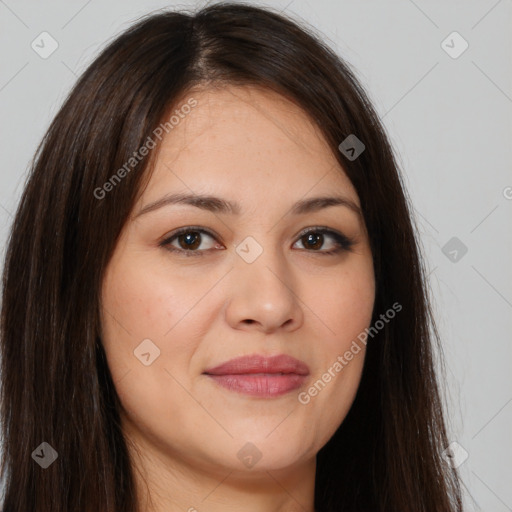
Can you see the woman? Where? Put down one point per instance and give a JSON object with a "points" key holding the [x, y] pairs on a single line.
{"points": [[213, 294]]}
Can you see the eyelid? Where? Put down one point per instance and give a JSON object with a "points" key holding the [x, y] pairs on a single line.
{"points": [[344, 242]]}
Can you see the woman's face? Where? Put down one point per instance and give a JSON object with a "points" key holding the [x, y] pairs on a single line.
{"points": [[267, 277]]}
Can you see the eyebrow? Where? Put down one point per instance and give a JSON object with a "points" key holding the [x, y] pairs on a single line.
{"points": [[218, 205]]}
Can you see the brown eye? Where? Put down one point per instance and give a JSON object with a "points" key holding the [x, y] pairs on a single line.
{"points": [[314, 239], [188, 240]]}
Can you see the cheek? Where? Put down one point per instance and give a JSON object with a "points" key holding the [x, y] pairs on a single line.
{"points": [[345, 308], [345, 304], [145, 312], [139, 303]]}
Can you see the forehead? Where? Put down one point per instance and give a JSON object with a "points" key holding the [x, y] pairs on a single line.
{"points": [[243, 139]]}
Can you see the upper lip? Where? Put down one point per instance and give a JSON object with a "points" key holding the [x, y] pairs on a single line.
{"points": [[281, 363]]}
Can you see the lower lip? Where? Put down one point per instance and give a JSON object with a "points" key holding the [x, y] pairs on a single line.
{"points": [[261, 385]]}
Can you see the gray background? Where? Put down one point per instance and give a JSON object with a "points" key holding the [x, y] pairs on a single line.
{"points": [[449, 120]]}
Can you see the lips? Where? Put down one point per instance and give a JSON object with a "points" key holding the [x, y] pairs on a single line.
{"points": [[281, 364], [260, 376]]}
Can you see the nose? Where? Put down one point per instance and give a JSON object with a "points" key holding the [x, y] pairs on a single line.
{"points": [[263, 295]]}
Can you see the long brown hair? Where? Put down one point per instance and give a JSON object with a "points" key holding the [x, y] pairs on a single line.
{"points": [[56, 384]]}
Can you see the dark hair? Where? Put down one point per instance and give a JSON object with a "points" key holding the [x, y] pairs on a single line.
{"points": [[56, 384]]}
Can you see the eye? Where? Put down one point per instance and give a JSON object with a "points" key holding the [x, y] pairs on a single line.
{"points": [[314, 239], [188, 240]]}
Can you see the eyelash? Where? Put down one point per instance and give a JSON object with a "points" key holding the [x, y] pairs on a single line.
{"points": [[344, 243]]}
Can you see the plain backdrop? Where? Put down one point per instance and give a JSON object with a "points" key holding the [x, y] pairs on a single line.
{"points": [[448, 115]]}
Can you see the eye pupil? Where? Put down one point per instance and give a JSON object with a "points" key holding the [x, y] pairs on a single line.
{"points": [[314, 241], [191, 239]]}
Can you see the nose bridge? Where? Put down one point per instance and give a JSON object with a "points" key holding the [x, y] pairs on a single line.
{"points": [[263, 287]]}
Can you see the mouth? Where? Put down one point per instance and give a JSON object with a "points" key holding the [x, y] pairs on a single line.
{"points": [[260, 376]]}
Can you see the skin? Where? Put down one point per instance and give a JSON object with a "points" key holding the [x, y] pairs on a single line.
{"points": [[184, 431]]}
